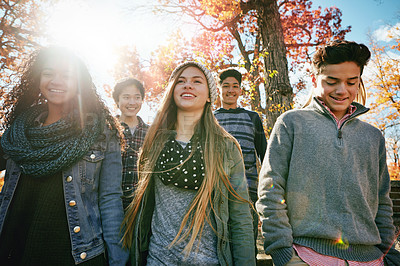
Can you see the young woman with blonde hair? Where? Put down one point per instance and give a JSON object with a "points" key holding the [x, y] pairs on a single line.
{"points": [[191, 205]]}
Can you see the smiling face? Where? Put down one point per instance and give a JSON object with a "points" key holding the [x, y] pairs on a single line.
{"points": [[337, 86], [230, 92], [191, 91], [58, 83], [130, 101]]}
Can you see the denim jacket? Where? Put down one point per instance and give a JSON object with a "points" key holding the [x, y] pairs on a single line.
{"points": [[235, 245], [92, 193]]}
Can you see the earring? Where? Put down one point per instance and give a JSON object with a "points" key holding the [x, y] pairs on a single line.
{"points": [[41, 98]]}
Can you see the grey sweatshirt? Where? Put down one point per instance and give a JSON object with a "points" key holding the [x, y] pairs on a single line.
{"points": [[325, 188]]}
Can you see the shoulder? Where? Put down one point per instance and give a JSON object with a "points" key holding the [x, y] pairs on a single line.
{"points": [[108, 131], [230, 111], [254, 116], [218, 110], [295, 115], [231, 148], [249, 112], [238, 112], [142, 123], [366, 128], [108, 135], [300, 121]]}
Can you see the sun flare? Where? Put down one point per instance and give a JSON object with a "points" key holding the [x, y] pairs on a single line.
{"points": [[91, 31], [96, 29]]}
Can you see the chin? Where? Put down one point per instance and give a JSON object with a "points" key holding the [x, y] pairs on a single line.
{"points": [[131, 115]]}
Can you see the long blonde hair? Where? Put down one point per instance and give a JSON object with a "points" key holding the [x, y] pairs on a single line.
{"points": [[213, 139]]}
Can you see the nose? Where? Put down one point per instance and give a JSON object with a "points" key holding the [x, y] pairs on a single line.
{"points": [[188, 85], [57, 79], [341, 88]]}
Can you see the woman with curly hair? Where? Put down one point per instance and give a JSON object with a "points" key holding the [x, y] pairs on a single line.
{"points": [[61, 199], [191, 206]]}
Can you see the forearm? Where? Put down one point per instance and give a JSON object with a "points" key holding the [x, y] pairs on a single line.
{"points": [[384, 215], [271, 204], [240, 219], [110, 203]]}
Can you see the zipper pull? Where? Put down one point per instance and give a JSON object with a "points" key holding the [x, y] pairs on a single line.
{"points": [[339, 134]]}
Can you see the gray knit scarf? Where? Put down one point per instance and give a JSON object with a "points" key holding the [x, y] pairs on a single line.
{"points": [[45, 150]]}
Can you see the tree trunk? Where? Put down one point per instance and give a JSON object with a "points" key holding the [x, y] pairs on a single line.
{"points": [[279, 93]]}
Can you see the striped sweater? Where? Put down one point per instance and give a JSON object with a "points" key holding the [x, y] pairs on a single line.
{"points": [[246, 127]]}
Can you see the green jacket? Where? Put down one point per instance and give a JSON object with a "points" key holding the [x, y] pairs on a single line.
{"points": [[236, 246]]}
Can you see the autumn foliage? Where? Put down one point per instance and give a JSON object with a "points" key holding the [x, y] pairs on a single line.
{"points": [[257, 36], [384, 88], [18, 29], [266, 39]]}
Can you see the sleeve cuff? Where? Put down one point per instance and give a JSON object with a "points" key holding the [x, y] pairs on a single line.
{"points": [[281, 256]]}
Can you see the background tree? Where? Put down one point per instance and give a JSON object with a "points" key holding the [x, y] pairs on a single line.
{"points": [[212, 49], [20, 26], [265, 32], [156, 72], [19, 29], [384, 87], [129, 63]]}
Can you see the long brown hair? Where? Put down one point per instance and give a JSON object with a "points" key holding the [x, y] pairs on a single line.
{"points": [[213, 139]]}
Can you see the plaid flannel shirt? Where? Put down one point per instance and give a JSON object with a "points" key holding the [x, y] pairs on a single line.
{"points": [[129, 158]]}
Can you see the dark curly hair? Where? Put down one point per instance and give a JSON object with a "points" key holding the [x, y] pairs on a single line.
{"points": [[122, 84], [340, 51], [337, 52], [230, 73], [26, 93]]}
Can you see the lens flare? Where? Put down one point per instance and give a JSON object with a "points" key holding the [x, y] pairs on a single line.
{"points": [[269, 183], [342, 243]]}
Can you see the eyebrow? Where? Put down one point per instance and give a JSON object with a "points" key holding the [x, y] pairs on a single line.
{"points": [[128, 94], [229, 83], [192, 77], [329, 77], [53, 69]]}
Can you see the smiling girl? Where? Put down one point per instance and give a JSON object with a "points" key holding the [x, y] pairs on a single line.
{"points": [[191, 206], [61, 199]]}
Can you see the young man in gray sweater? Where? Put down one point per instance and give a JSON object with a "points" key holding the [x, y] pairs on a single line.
{"points": [[324, 184]]}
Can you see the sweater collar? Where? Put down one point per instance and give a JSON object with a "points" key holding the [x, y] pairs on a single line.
{"points": [[231, 110], [319, 107]]}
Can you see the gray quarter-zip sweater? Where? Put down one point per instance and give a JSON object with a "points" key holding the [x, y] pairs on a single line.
{"points": [[325, 187]]}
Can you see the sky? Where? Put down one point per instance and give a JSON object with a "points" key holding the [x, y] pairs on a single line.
{"points": [[97, 27], [364, 15]]}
